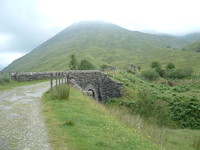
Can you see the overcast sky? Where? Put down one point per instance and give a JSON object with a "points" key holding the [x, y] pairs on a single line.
{"points": [[25, 24]]}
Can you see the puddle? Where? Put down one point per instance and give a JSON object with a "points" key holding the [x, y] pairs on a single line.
{"points": [[14, 115]]}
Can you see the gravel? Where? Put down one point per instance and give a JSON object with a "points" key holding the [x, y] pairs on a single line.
{"points": [[22, 125]]}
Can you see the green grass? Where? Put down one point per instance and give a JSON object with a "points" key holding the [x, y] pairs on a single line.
{"points": [[13, 84], [169, 138], [106, 44], [82, 123]]}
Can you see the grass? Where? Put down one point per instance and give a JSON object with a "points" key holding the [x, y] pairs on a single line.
{"points": [[109, 45], [169, 138], [82, 123], [13, 84]]}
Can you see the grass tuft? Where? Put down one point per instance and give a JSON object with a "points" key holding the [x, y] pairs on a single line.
{"points": [[61, 92]]}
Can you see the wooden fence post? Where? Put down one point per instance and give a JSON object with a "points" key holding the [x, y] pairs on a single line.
{"points": [[10, 78], [51, 82], [59, 78], [62, 77], [17, 78], [65, 78], [56, 79]]}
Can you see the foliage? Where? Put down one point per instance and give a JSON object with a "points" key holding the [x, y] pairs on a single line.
{"points": [[170, 66], [161, 103], [103, 67], [82, 123], [61, 92], [160, 71], [130, 70], [186, 112], [73, 63], [139, 68], [155, 64], [150, 75], [85, 65], [178, 73], [103, 44]]}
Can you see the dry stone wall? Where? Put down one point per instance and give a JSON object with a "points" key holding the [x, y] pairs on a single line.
{"points": [[102, 86]]}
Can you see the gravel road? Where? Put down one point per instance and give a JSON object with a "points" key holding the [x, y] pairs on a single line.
{"points": [[22, 125]]}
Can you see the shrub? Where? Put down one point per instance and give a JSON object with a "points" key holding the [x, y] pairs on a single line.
{"points": [[154, 110], [61, 92], [170, 66], [85, 65], [160, 71], [155, 64], [103, 67], [130, 71], [151, 75], [186, 113], [179, 73]]}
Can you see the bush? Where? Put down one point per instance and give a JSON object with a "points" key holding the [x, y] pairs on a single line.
{"points": [[85, 65], [154, 110], [170, 66], [155, 64], [186, 113], [160, 71], [103, 67], [150, 75], [61, 92], [179, 73]]}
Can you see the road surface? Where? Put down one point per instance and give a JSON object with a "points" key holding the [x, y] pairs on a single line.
{"points": [[22, 125]]}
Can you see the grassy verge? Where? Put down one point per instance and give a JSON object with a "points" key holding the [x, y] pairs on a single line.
{"points": [[82, 123], [13, 84], [170, 139]]}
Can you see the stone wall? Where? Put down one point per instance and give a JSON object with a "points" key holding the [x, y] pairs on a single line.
{"points": [[100, 84]]}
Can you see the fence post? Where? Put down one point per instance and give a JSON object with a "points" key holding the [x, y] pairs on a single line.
{"points": [[10, 78], [62, 77], [17, 78], [59, 78], [51, 82], [56, 79], [65, 78]]}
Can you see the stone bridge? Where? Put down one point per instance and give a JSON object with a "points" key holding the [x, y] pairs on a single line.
{"points": [[99, 85]]}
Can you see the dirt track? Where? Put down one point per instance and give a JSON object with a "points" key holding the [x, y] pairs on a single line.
{"points": [[21, 122]]}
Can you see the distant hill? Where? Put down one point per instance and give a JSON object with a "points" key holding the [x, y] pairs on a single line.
{"points": [[101, 43], [193, 37], [194, 47]]}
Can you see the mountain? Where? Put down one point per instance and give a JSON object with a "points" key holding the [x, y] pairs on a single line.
{"points": [[192, 37], [194, 47], [101, 43]]}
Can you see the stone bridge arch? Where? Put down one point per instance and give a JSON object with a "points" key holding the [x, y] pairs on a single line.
{"points": [[90, 88]]}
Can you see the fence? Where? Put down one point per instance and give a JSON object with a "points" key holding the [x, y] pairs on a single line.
{"points": [[60, 78]]}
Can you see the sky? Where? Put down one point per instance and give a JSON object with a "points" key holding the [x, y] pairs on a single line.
{"points": [[25, 24]]}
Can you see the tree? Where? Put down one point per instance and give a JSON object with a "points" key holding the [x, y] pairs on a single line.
{"points": [[155, 64], [85, 65], [150, 75], [103, 67], [73, 63], [170, 66]]}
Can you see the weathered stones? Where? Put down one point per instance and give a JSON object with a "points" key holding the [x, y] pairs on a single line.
{"points": [[99, 85]]}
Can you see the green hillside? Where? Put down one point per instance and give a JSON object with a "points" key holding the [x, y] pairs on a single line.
{"points": [[192, 37], [194, 47], [102, 43], [81, 123]]}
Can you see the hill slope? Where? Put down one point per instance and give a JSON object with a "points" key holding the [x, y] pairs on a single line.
{"points": [[193, 47], [100, 43], [193, 37]]}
